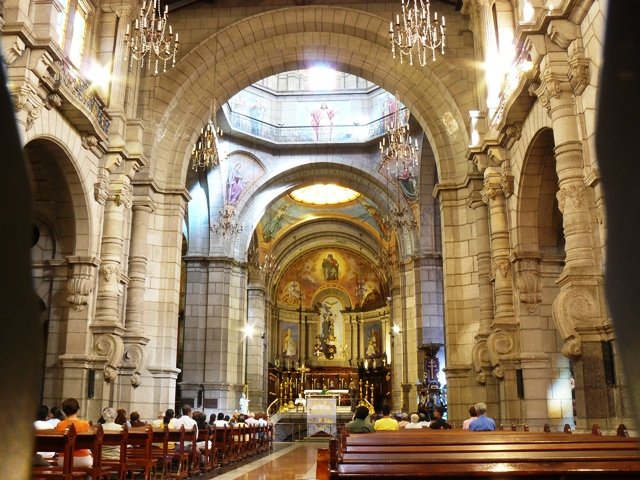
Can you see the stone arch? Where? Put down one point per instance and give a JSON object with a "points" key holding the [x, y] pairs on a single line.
{"points": [[291, 42], [267, 192], [539, 218], [52, 164]]}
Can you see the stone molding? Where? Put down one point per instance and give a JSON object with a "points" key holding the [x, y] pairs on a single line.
{"points": [[499, 343], [111, 347], [527, 277], [573, 308]]}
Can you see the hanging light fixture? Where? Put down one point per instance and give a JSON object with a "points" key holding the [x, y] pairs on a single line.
{"points": [[207, 151], [264, 266], [417, 33], [227, 223], [400, 157], [152, 39]]}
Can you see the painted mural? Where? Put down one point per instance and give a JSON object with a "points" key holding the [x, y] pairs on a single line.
{"points": [[404, 177], [286, 211], [242, 172], [315, 270]]}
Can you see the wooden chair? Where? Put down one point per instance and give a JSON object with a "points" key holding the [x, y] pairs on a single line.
{"points": [[61, 442], [138, 456]]}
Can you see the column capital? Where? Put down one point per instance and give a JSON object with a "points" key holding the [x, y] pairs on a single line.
{"points": [[492, 184]]}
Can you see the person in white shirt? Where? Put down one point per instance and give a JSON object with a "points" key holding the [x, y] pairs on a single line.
{"points": [[42, 417], [472, 416], [220, 421], [187, 421], [414, 421]]}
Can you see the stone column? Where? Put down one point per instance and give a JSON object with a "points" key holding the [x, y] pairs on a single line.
{"points": [[114, 189], [135, 354], [502, 343], [256, 295], [579, 310]]}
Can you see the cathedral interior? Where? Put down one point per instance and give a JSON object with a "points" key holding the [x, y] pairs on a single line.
{"points": [[268, 199]]}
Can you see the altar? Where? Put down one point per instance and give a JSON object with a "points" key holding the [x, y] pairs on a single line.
{"points": [[321, 412]]}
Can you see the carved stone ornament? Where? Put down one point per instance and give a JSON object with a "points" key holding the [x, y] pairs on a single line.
{"points": [[490, 191], [80, 286], [528, 282], [499, 343], [25, 97], [480, 360], [124, 197], [503, 266], [572, 307], [14, 47], [573, 193], [135, 356], [111, 347], [101, 190], [578, 71], [110, 269], [512, 133], [53, 101], [89, 141]]}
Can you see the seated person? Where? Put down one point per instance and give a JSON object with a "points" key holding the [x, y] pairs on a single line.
{"points": [[81, 457], [482, 423], [109, 414], [415, 419], [386, 422], [360, 422], [472, 417], [134, 419], [438, 422]]}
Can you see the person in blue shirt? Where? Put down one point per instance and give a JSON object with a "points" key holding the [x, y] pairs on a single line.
{"points": [[482, 423]]}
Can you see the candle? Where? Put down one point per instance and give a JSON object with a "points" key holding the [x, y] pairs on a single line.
{"points": [[176, 38], [144, 4], [170, 30], [390, 27], [127, 31], [397, 19], [443, 20]]}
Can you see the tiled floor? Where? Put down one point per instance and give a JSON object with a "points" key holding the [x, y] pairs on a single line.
{"points": [[289, 461]]}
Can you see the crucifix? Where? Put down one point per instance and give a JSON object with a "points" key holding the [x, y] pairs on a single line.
{"points": [[303, 370], [433, 366]]}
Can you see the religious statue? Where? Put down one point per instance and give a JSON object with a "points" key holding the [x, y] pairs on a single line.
{"points": [[234, 184], [244, 404], [288, 344], [373, 347], [330, 268]]}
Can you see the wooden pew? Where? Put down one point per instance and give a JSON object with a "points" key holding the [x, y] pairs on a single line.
{"points": [[461, 454], [138, 451], [54, 441], [92, 440]]}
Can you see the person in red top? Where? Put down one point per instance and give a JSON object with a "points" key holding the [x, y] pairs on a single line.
{"points": [[71, 407]]}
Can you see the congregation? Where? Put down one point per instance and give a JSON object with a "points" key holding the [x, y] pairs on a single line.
{"points": [[112, 419], [364, 422]]}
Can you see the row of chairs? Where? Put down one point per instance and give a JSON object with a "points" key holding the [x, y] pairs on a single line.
{"points": [[160, 453]]}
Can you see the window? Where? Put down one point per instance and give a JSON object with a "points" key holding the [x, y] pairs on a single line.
{"points": [[71, 28]]}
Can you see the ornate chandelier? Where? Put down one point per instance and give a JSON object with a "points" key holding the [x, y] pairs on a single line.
{"points": [[227, 223], [207, 152], [266, 266], [152, 39], [400, 157], [417, 33]]}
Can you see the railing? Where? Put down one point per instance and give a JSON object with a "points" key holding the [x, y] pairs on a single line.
{"points": [[69, 78], [273, 417], [303, 134]]}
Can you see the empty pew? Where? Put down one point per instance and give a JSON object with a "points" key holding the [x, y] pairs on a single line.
{"points": [[501, 454]]}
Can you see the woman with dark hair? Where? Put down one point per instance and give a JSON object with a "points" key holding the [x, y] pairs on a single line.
{"points": [[81, 457], [121, 417], [169, 415], [56, 416]]}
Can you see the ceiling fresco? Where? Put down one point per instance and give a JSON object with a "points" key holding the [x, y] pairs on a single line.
{"points": [[330, 269], [285, 212]]}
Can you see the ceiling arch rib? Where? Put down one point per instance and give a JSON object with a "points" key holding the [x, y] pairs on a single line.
{"points": [[291, 47]]}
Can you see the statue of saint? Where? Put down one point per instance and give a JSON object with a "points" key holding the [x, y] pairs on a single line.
{"points": [[244, 404]]}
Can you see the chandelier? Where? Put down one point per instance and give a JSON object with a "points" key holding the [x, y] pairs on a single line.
{"points": [[417, 32], [400, 157], [150, 41], [207, 152], [227, 223], [267, 266]]}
